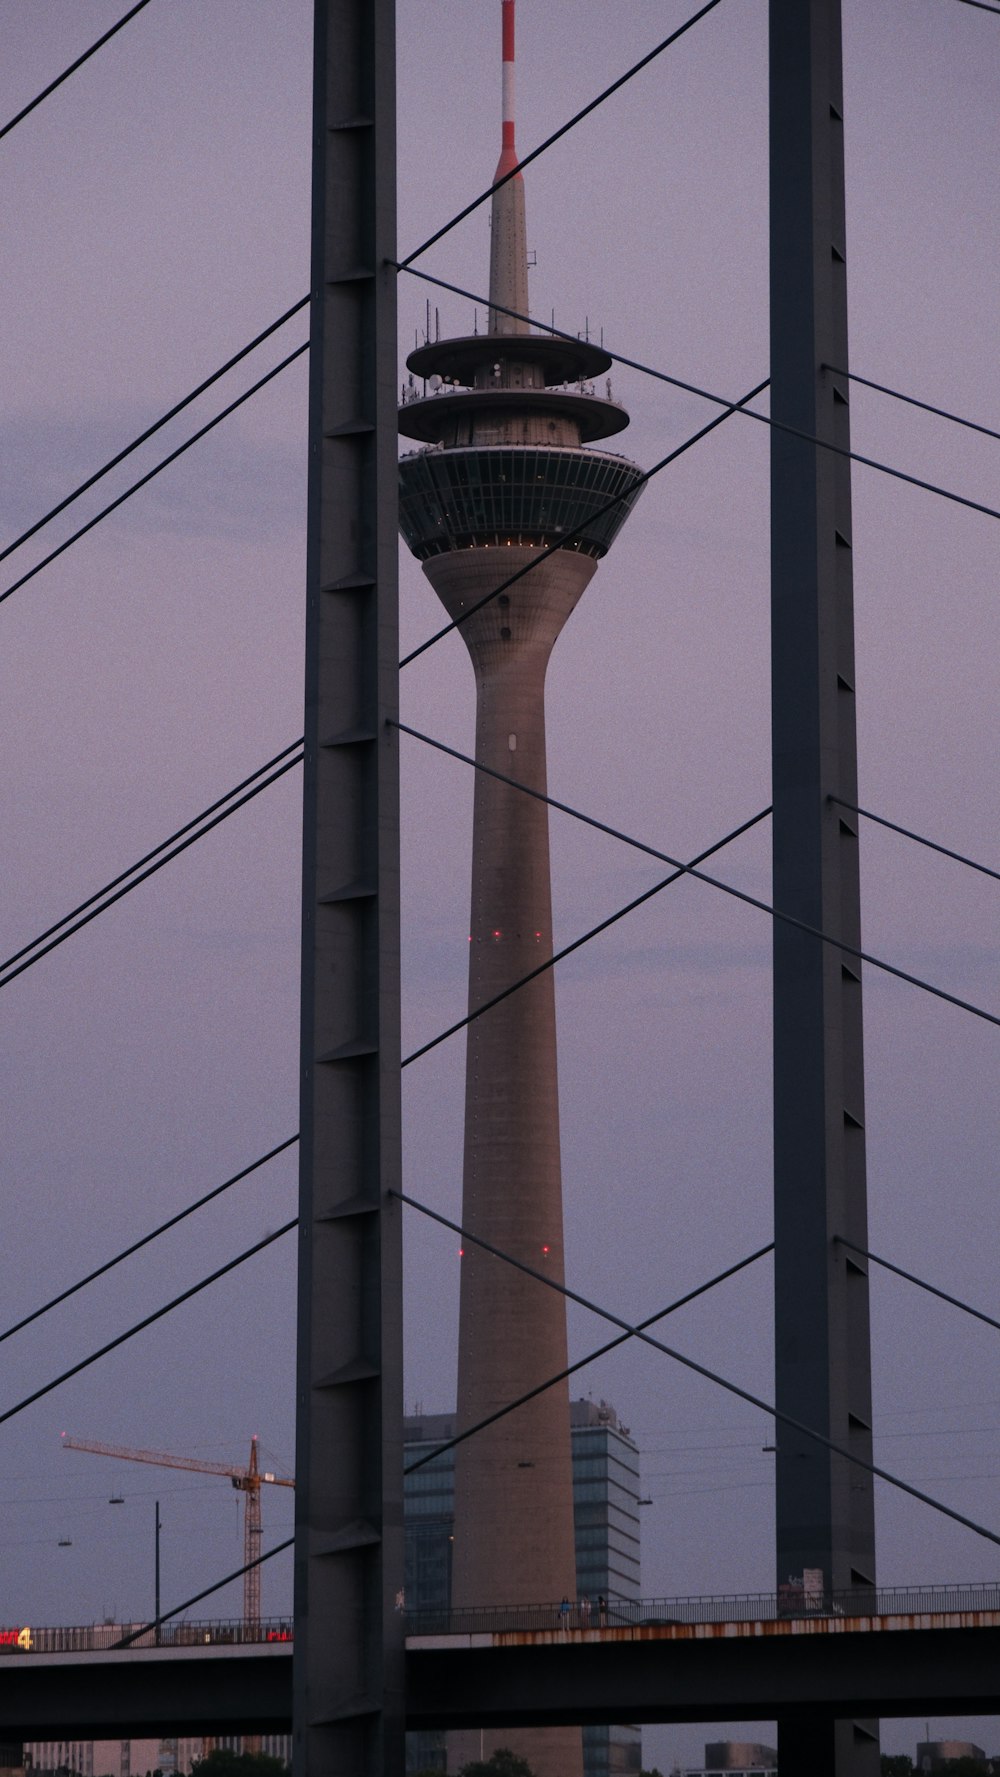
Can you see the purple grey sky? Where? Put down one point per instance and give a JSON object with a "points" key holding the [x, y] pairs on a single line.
{"points": [[155, 212]]}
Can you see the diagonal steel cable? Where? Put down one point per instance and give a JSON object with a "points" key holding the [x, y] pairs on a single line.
{"points": [[124, 874], [525, 160], [143, 479], [689, 1363], [145, 1239], [585, 937], [919, 838], [676, 382], [678, 451], [534, 154], [571, 123], [148, 1320], [921, 1283], [85, 57], [217, 1585], [942, 413], [699, 875], [578, 529], [591, 1357], [157, 425], [75, 921]]}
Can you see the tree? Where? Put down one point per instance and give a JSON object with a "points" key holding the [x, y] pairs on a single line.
{"points": [[896, 1765], [222, 1763], [502, 1763]]}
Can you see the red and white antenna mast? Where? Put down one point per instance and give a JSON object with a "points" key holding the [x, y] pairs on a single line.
{"points": [[508, 244], [508, 155]]}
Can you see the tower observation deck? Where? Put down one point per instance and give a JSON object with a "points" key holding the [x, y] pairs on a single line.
{"points": [[506, 423]]}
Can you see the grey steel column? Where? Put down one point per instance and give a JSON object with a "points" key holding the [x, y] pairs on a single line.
{"points": [[348, 1700], [825, 1509]]}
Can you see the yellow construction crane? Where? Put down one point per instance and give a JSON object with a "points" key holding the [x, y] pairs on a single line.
{"points": [[247, 1480]]}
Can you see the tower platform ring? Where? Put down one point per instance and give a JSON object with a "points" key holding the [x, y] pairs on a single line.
{"points": [[561, 360], [427, 417]]}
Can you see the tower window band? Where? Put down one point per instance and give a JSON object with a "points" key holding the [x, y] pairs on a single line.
{"points": [[469, 499]]}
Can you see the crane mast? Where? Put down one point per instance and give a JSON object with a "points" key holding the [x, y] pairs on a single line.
{"points": [[247, 1481], [250, 1483]]}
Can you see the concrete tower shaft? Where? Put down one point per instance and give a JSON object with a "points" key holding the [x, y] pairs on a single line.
{"points": [[509, 417], [514, 1535], [513, 1499]]}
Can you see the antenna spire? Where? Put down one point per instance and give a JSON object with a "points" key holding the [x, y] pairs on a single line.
{"points": [[508, 243], [508, 155]]}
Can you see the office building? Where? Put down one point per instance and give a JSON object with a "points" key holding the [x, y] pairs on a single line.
{"points": [[736, 1758], [605, 1464]]}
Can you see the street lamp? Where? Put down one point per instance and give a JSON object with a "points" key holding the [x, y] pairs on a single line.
{"points": [[156, 1574], [118, 1499]]}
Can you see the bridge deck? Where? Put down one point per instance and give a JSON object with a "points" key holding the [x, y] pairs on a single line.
{"points": [[944, 1662], [755, 1668]]}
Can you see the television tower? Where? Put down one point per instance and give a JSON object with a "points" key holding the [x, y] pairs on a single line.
{"points": [[507, 419]]}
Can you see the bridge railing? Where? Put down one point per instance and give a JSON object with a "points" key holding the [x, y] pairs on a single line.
{"points": [[792, 1600], [104, 1637]]}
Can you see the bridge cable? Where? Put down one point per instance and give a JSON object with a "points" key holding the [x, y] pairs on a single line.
{"points": [[415, 1056], [688, 388], [585, 937], [172, 413], [578, 530], [919, 838], [147, 1321], [180, 831], [164, 1617], [143, 479], [690, 1363], [981, 6], [921, 1283], [417, 252], [631, 1331], [154, 1234], [85, 57], [526, 159], [678, 451], [911, 400], [65, 928], [482, 198], [691, 869], [581, 1363], [678, 868]]}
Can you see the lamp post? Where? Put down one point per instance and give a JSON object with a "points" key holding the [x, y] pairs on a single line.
{"points": [[156, 1573]]}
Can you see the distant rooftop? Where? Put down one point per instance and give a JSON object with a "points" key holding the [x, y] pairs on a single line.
{"points": [[434, 1428]]}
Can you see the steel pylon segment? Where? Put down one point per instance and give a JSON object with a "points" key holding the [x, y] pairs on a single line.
{"points": [[348, 1693], [825, 1510]]}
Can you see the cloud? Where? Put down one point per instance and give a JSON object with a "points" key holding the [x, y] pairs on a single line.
{"points": [[236, 482]]}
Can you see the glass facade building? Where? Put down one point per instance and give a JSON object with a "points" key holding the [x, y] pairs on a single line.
{"points": [[606, 1523], [605, 1503]]}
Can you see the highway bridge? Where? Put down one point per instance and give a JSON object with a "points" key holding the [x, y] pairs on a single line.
{"points": [[897, 1653]]}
